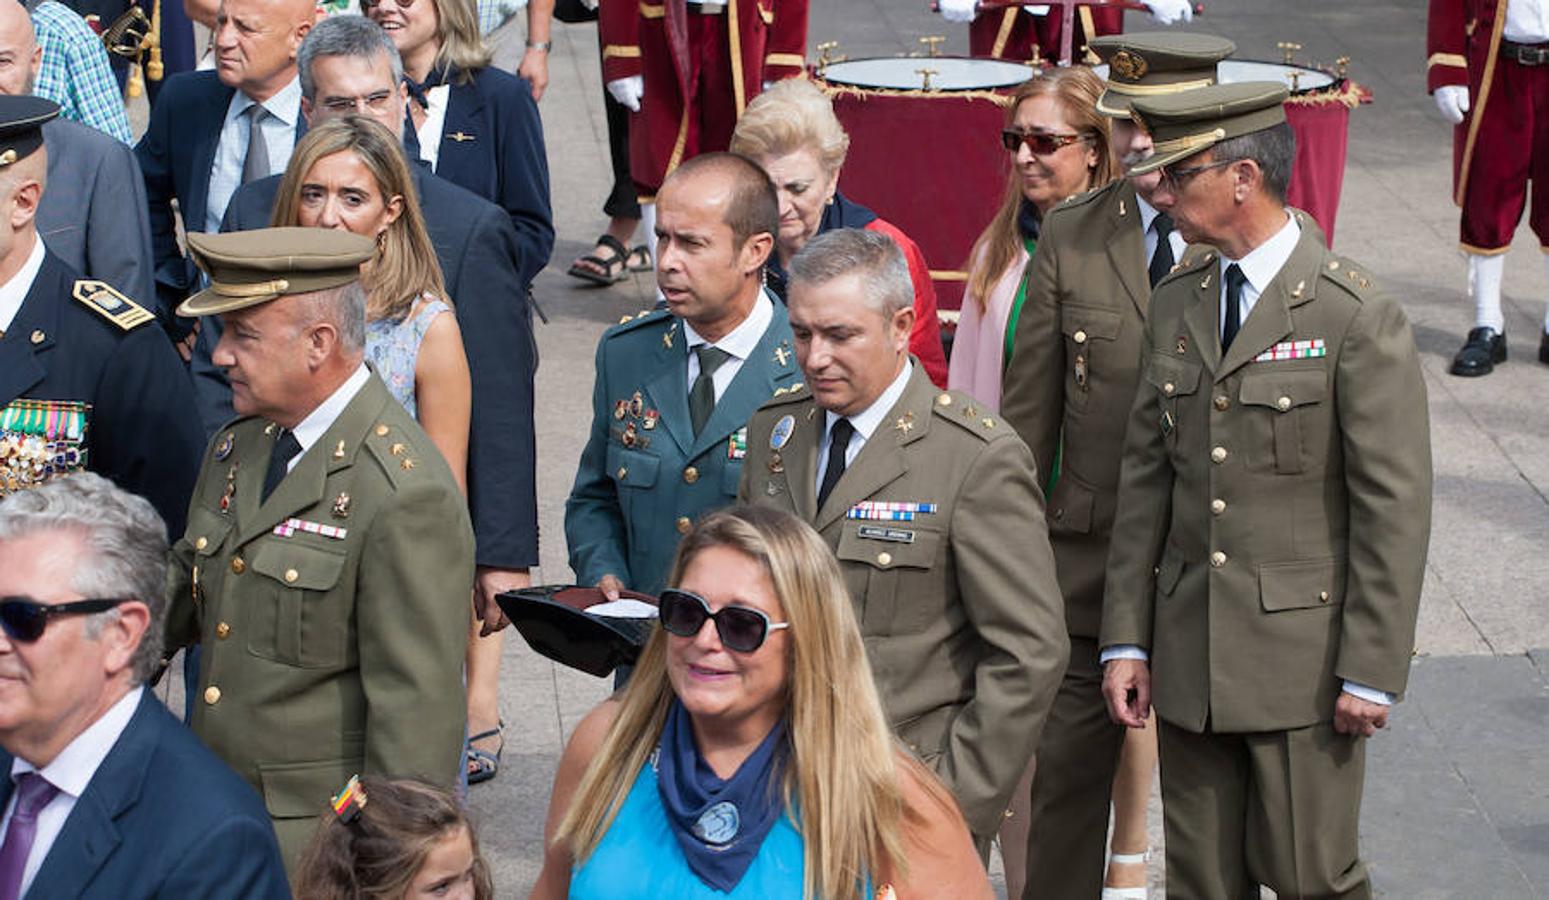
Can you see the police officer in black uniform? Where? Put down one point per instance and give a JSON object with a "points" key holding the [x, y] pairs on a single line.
{"points": [[86, 379]]}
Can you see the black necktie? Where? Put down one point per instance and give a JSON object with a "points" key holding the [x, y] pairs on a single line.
{"points": [[285, 450], [838, 445], [1162, 257], [1234, 282], [701, 398]]}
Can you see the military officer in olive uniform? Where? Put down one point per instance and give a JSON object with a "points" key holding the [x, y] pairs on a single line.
{"points": [[933, 508], [1067, 391], [669, 431], [85, 381], [1274, 513], [328, 560]]}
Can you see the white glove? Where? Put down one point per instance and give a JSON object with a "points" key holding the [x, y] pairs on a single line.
{"points": [[1166, 12], [959, 10], [1452, 100], [628, 91]]}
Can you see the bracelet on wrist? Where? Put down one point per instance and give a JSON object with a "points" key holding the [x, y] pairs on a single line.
{"points": [[540, 45]]}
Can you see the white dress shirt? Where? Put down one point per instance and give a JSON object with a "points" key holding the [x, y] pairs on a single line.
{"points": [[319, 420], [429, 131], [1148, 214], [739, 343], [71, 771], [864, 422], [14, 292], [1260, 266], [1527, 21], [279, 128]]}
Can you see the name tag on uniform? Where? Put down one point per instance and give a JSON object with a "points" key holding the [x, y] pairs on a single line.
{"points": [[1286, 350], [882, 533], [291, 526], [899, 511]]}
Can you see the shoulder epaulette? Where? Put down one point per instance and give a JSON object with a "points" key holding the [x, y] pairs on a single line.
{"points": [[970, 415], [1087, 197], [1194, 259], [639, 320], [792, 394], [1354, 279], [394, 451], [108, 302]]}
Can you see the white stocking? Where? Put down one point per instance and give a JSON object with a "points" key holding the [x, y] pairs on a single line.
{"points": [[1484, 285]]}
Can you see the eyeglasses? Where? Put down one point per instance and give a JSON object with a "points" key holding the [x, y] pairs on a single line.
{"points": [[368, 5], [24, 620], [1041, 143], [1175, 179], [375, 101], [741, 629]]}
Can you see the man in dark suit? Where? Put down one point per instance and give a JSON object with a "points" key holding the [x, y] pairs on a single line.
{"points": [[348, 63], [107, 794], [93, 216], [211, 132], [85, 382]]}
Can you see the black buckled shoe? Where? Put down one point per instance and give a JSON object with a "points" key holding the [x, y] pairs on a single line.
{"points": [[1484, 348], [1543, 349]]}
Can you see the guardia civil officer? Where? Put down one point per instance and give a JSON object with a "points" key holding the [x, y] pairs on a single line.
{"points": [[675, 387], [1274, 510], [328, 560], [932, 506], [1067, 391], [84, 382]]}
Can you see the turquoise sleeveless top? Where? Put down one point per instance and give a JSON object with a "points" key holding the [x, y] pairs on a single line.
{"points": [[639, 859]]}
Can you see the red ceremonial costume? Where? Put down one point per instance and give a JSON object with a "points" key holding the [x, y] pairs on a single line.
{"points": [[1503, 142], [1010, 33], [702, 63]]}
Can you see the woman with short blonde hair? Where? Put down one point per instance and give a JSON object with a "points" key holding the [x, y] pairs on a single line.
{"points": [[791, 131], [772, 693]]}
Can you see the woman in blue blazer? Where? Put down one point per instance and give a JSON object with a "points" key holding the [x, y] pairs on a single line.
{"points": [[475, 125]]}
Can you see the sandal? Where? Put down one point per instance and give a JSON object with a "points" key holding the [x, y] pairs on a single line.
{"points": [[483, 765], [603, 270], [1126, 893], [639, 260]]}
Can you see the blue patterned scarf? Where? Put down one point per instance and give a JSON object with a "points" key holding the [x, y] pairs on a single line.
{"points": [[719, 824], [841, 213]]}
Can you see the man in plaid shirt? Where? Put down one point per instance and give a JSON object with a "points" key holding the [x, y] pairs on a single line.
{"points": [[75, 72]]}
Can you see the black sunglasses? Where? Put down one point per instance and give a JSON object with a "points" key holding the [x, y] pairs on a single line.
{"points": [[1177, 179], [24, 620], [1040, 142], [741, 629]]}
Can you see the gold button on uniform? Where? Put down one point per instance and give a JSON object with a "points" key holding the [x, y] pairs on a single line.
{"points": [[622, 472], [1080, 338], [1323, 596], [1218, 455], [943, 399], [1169, 389], [381, 431], [291, 575], [684, 524], [884, 558], [237, 565], [201, 543], [1218, 506], [1222, 402], [1283, 404], [1217, 559], [212, 695], [223, 631], [690, 474]]}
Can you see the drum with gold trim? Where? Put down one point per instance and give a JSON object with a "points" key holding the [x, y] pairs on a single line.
{"points": [[925, 150], [1318, 112]]}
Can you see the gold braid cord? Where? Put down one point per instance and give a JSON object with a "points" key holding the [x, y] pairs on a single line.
{"points": [[845, 90], [1348, 92]]}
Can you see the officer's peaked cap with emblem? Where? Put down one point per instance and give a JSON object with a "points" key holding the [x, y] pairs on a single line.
{"points": [[247, 268], [1182, 125], [1156, 63], [21, 126]]}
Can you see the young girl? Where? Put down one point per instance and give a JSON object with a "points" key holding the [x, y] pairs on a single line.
{"points": [[393, 839]]}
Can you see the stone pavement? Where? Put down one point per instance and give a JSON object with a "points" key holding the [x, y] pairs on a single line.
{"points": [[1457, 798]]}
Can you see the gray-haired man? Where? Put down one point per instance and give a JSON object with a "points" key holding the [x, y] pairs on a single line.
{"points": [[932, 505], [107, 794]]}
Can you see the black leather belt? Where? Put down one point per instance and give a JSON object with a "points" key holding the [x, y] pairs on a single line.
{"points": [[707, 9], [1526, 54]]}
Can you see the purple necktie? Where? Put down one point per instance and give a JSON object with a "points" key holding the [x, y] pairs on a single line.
{"points": [[33, 792]]}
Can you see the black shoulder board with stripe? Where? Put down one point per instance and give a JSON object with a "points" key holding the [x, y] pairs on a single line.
{"points": [[112, 305]]}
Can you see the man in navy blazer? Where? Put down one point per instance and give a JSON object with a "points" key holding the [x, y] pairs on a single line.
{"points": [[345, 61], [197, 148], [105, 794]]}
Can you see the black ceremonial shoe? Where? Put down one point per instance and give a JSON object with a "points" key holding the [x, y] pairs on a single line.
{"points": [[1543, 349], [1484, 348]]}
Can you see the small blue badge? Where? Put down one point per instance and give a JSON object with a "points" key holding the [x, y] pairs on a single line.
{"points": [[781, 434], [718, 824], [223, 449]]}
